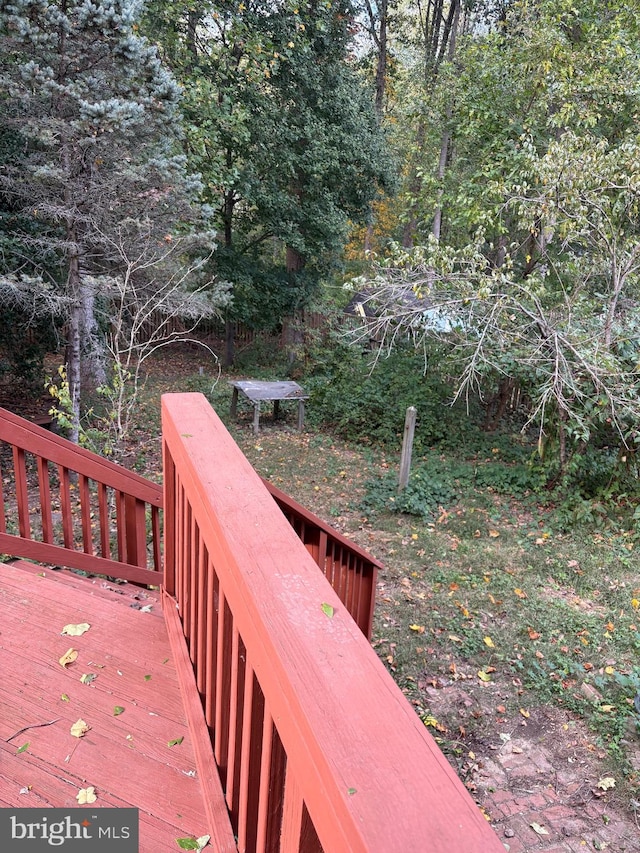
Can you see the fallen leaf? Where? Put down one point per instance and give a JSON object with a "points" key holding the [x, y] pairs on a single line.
{"points": [[540, 830], [147, 678], [79, 728], [635, 603], [176, 742], [516, 749], [196, 844], [494, 534], [351, 791], [533, 635], [606, 782], [64, 697], [489, 642], [328, 610], [88, 677], [23, 748], [484, 676], [68, 657], [86, 795], [525, 713], [520, 592], [418, 628], [76, 630], [118, 710]]}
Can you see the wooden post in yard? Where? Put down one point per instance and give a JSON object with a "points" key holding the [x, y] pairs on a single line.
{"points": [[407, 446]]}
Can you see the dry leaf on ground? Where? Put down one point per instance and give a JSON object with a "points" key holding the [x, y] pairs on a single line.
{"points": [[76, 630], [79, 728], [68, 657], [86, 795]]}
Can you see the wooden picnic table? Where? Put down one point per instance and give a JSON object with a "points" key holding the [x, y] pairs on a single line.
{"points": [[258, 392]]}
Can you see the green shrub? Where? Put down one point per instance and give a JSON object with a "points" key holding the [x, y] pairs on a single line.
{"points": [[367, 404]]}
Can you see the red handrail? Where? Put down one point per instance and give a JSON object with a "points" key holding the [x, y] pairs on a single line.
{"points": [[316, 747], [93, 515], [350, 570]]}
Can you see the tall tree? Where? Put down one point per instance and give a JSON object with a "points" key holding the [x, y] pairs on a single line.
{"points": [[97, 173], [535, 279], [296, 152]]}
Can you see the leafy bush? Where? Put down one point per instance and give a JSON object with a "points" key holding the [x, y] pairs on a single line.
{"points": [[441, 481], [368, 404]]}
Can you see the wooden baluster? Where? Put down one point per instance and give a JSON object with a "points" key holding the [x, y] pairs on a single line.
{"points": [[223, 680], [104, 521], [156, 539], [65, 507], [202, 618], [264, 788], [120, 531], [193, 584], [44, 487], [85, 514], [22, 492], [212, 637], [136, 531], [170, 533], [236, 693], [291, 813], [3, 512], [252, 723]]}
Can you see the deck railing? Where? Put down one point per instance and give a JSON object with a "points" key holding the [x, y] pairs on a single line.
{"points": [[315, 746], [350, 570], [63, 505]]}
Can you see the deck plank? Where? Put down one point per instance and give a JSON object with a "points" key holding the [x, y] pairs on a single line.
{"points": [[126, 757]]}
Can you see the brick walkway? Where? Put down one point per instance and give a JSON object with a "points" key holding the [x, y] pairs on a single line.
{"points": [[535, 807]]}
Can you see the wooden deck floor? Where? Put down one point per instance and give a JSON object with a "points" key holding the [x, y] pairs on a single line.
{"points": [[125, 756]]}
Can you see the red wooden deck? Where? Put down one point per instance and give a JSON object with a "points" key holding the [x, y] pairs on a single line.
{"points": [[126, 757], [251, 706]]}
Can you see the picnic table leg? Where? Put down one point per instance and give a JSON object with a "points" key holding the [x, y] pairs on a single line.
{"points": [[256, 417], [300, 415], [234, 403], [276, 409]]}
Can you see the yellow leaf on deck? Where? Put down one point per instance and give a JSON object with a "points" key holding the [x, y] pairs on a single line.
{"points": [[68, 657], [79, 728], [76, 630], [86, 795]]}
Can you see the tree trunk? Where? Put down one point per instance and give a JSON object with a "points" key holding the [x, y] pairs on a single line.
{"points": [[92, 354], [294, 327], [73, 347], [381, 67], [229, 340]]}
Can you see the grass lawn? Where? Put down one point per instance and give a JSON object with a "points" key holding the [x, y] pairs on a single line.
{"points": [[488, 618]]}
